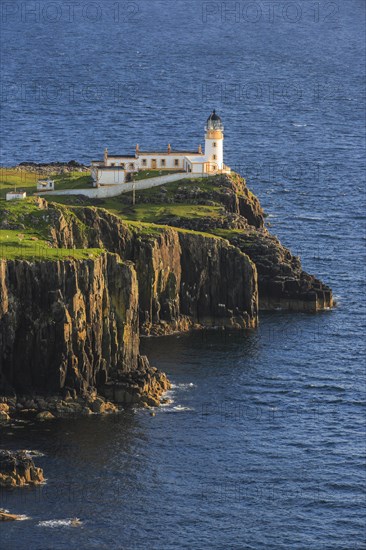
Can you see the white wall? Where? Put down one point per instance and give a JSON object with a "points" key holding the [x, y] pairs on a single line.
{"points": [[110, 177], [15, 196], [128, 162], [169, 161], [114, 190], [169, 158], [218, 151]]}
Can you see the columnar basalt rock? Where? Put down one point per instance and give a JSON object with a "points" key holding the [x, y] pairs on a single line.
{"points": [[170, 297], [67, 324], [219, 283]]}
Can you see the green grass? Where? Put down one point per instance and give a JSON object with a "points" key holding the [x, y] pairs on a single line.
{"points": [[153, 229], [27, 215], [31, 239], [155, 209], [27, 181], [18, 245], [150, 212], [73, 180], [206, 185], [160, 213]]}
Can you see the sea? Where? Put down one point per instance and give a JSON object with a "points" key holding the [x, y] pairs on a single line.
{"points": [[262, 445]]}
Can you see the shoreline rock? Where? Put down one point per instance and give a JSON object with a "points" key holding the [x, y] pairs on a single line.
{"points": [[5, 516], [17, 469], [144, 386]]}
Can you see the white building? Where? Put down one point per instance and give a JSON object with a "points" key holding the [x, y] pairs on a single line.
{"points": [[45, 185], [16, 195], [113, 169]]}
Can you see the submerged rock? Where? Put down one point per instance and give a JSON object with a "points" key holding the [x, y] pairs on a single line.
{"points": [[5, 516], [45, 415]]}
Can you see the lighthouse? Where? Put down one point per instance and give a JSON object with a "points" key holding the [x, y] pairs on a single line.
{"points": [[113, 169], [214, 143]]}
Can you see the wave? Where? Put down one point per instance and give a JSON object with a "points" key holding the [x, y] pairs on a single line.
{"points": [[33, 453], [183, 386], [54, 523], [177, 409]]}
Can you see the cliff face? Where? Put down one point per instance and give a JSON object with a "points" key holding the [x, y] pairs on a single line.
{"points": [[282, 283], [184, 279], [67, 324], [75, 324]]}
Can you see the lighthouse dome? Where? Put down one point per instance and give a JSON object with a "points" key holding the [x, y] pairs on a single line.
{"points": [[214, 122]]}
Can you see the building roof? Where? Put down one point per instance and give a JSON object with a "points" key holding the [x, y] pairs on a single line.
{"points": [[121, 156], [171, 153], [214, 116], [196, 158], [214, 122], [103, 167]]}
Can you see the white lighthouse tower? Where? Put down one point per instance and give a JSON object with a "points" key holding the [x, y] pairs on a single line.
{"points": [[214, 143]]}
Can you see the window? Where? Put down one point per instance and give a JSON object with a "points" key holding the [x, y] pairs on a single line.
{"points": [[131, 166], [214, 144], [144, 162], [214, 157], [123, 165], [113, 164], [176, 162], [162, 162]]}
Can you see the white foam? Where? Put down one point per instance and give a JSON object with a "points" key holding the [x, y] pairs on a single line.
{"points": [[179, 408], [54, 523], [33, 453], [183, 386]]}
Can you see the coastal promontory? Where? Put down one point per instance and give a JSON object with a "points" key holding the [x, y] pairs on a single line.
{"points": [[82, 279]]}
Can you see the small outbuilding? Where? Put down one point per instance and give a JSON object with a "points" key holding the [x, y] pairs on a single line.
{"points": [[16, 195], [45, 185]]}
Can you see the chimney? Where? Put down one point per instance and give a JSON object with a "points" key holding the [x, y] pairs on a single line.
{"points": [[137, 150], [169, 148], [105, 155], [200, 149]]}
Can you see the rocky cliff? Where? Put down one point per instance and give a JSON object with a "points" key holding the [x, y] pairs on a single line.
{"points": [[67, 324], [184, 278], [74, 324], [225, 207]]}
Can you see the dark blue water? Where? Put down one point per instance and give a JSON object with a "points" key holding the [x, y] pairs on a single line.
{"points": [[263, 446]]}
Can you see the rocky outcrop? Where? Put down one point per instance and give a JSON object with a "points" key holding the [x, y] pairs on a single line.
{"points": [[5, 516], [67, 324], [17, 469], [184, 279], [144, 386], [53, 168], [282, 283], [73, 325], [188, 280], [239, 206]]}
